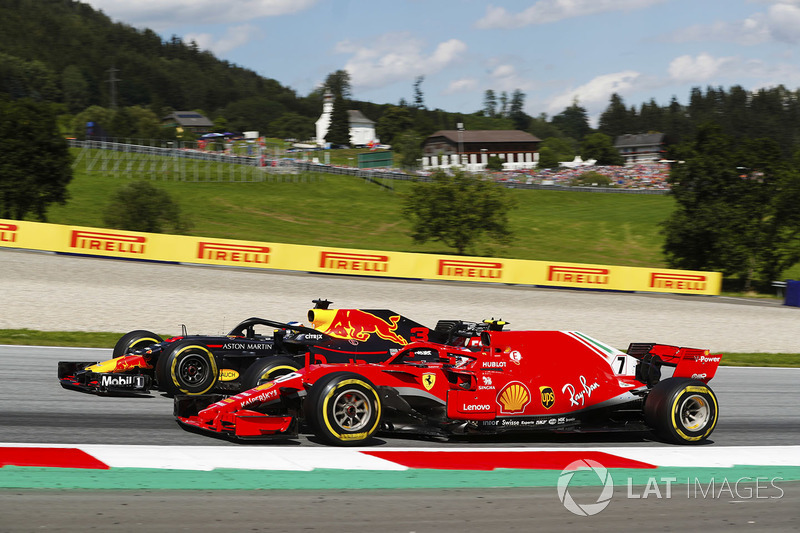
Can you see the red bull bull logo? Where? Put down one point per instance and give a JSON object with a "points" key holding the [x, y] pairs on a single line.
{"points": [[684, 282], [233, 253], [129, 362], [354, 262], [359, 325], [107, 242], [582, 275], [8, 232]]}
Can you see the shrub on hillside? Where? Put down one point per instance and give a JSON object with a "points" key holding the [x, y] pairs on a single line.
{"points": [[591, 179], [141, 206]]}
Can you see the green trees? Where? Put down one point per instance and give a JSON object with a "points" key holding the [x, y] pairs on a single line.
{"points": [[738, 208], [548, 158], [459, 210], [292, 126], [494, 163], [394, 121], [141, 206], [591, 179], [409, 146], [516, 111], [573, 121], [338, 83], [489, 104], [616, 120], [339, 129], [558, 150], [35, 165], [600, 146]]}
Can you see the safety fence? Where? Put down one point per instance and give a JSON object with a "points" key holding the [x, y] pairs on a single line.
{"points": [[189, 161]]}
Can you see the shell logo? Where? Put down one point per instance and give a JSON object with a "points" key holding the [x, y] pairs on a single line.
{"points": [[513, 398]]}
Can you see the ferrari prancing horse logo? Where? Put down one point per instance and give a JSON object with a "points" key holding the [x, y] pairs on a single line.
{"points": [[428, 380]]}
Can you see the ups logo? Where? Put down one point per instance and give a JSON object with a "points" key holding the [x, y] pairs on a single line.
{"points": [[548, 397]]}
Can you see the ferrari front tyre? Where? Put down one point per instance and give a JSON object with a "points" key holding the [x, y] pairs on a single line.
{"points": [[267, 369], [343, 409], [681, 410], [187, 369], [135, 340]]}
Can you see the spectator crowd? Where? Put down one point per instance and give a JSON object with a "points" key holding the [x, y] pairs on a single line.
{"points": [[650, 176]]}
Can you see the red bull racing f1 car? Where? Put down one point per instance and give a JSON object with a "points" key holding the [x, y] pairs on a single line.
{"points": [[255, 351], [511, 381]]}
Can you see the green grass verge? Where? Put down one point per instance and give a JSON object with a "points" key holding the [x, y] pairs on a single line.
{"points": [[345, 211], [688, 482], [82, 339]]}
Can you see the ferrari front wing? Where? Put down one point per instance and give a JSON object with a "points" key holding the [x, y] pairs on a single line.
{"points": [[211, 414]]}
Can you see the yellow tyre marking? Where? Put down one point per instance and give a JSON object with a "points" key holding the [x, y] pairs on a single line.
{"points": [[269, 372], [214, 370], [137, 341], [711, 426], [352, 436]]}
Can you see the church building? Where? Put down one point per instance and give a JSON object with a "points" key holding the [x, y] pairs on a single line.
{"points": [[362, 129]]}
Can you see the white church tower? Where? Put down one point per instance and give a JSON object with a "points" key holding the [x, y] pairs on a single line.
{"points": [[362, 129], [324, 121]]}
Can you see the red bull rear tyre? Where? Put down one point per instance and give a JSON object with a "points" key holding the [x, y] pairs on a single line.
{"points": [[135, 340], [267, 369]]}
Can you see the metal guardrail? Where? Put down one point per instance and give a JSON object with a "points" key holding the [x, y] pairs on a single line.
{"points": [[780, 288], [180, 151]]}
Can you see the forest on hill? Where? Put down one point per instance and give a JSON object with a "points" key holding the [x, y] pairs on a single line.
{"points": [[66, 52]]}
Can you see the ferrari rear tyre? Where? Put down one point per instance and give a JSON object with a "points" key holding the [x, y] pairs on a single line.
{"points": [[266, 369], [135, 340], [682, 410], [343, 409], [187, 369]]}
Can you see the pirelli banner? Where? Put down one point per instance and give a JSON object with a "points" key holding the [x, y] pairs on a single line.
{"points": [[186, 249]]}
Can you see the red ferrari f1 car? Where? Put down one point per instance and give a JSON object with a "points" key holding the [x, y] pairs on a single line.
{"points": [[511, 381]]}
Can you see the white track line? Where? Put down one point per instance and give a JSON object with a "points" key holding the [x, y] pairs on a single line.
{"points": [[306, 459]]}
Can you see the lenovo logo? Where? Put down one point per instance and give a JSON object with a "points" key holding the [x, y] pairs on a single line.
{"points": [[470, 269], [583, 275], [234, 253], [686, 282], [354, 262], [107, 242], [8, 232]]}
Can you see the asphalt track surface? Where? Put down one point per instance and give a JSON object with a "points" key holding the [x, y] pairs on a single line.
{"points": [[67, 293], [757, 407], [46, 291]]}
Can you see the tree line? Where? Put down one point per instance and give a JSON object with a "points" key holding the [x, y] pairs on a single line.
{"points": [[61, 61], [66, 52]]}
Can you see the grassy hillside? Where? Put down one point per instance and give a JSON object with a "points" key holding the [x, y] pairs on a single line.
{"points": [[345, 211]]}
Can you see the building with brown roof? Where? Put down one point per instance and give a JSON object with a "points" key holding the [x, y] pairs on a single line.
{"points": [[190, 121], [471, 149], [644, 148]]}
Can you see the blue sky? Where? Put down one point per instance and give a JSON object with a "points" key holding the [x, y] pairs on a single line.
{"points": [[554, 51]]}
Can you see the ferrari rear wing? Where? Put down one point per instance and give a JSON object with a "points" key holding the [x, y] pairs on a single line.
{"points": [[688, 362]]}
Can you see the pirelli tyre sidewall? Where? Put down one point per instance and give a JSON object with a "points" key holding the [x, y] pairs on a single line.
{"points": [[135, 340], [187, 369], [267, 369], [682, 410], [343, 409]]}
